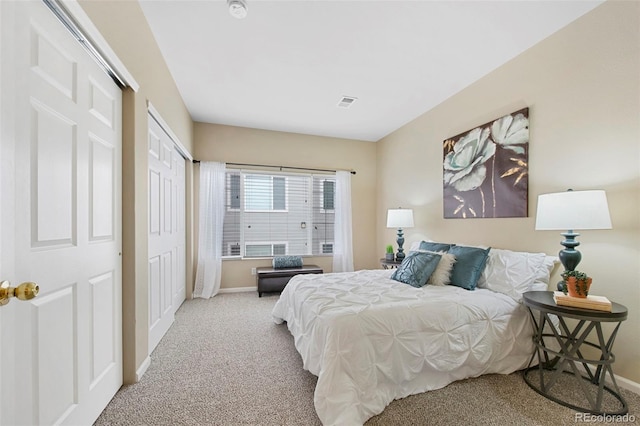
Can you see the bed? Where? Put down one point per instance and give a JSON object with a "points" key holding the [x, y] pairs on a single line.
{"points": [[371, 339]]}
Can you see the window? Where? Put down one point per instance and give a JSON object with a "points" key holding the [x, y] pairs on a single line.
{"points": [[328, 194], [271, 214], [233, 195], [232, 250], [263, 193], [326, 248], [265, 249], [323, 214]]}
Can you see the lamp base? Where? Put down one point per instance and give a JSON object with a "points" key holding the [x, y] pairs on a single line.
{"points": [[569, 256], [400, 240]]}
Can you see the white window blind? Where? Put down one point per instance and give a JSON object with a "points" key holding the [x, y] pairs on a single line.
{"points": [[269, 214]]}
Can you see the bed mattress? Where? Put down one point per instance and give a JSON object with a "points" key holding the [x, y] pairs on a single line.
{"points": [[371, 340]]}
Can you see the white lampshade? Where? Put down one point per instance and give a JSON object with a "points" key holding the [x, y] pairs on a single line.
{"points": [[400, 218], [573, 210]]}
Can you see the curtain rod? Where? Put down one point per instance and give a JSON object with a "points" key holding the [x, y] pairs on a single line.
{"points": [[282, 167]]}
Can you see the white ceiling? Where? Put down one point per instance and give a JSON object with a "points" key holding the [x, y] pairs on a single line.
{"points": [[287, 64]]}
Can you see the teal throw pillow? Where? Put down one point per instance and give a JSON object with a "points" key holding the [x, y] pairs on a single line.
{"points": [[433, 246], [470, 262], [284, 262], [416, 268]]}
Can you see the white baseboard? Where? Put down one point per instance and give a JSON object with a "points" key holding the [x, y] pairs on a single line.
{"points": [[628, 384], [238, 289], [143, 368]]}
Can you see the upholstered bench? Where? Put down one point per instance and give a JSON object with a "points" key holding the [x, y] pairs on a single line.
{"points": [[270, 279]]}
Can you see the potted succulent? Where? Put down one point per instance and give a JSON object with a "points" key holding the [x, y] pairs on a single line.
{"points": [[576, 283], [389, 256]]}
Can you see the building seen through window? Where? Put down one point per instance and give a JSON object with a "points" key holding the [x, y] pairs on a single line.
{"points": [[271, 214]]}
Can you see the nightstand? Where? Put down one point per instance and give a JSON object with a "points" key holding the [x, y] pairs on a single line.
{"points": [[562, 354], [389, 264]]}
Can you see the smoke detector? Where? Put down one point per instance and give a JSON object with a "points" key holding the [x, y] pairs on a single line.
{"points": [[346, 101], [238, 8]]}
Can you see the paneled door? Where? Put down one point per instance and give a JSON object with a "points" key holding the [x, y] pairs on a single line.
{"points": [[166, 232], [60, 180]]}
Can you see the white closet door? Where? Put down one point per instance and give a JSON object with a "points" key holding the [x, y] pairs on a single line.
{"points": [[61, 223], [166, 232]]}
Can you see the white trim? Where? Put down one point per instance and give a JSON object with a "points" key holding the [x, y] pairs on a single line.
{"points": [[99, 42], [143, 368], [627, 384], [238, 289], [156, 116]]}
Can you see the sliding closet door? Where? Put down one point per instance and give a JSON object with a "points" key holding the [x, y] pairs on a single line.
{"points": [[60, 180], [166, 232]]}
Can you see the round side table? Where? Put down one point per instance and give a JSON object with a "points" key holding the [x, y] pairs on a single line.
{"points": [[559, 351], [389, 264]]}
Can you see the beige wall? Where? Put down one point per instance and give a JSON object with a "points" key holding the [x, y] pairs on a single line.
{"points": [[126, 30], [582, 86], [213, 142]]}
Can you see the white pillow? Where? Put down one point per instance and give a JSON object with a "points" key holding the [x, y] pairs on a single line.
{"points": [[514, 273], [442, 274], [541, 282]]}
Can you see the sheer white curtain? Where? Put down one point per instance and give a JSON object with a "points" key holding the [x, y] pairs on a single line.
{"points": [[343, 241], [211, 217]]}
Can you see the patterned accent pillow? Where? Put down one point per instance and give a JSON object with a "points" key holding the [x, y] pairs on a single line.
{"points": [[284, 262], [416, 268], [470, 262]]}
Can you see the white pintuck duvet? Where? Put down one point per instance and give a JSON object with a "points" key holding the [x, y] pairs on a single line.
{"points": [[371, 340]]}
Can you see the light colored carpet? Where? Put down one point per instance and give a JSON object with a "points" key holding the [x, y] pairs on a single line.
{"points": [[225, 362]]}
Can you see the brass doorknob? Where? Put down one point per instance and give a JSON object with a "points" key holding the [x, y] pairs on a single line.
{"points": [[24, 291]]}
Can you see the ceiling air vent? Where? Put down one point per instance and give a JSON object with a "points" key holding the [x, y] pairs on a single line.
{"points": [[346, 101]]}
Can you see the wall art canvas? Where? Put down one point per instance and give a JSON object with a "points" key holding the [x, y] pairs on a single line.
{"points": [[486, 169]]}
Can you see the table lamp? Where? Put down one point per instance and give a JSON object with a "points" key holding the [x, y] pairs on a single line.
{"points": [[400, 218], [572, 210]]}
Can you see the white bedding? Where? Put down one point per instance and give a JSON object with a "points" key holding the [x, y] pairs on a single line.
{"points": [[371, 340]]}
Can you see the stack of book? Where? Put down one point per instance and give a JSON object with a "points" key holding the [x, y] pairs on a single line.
{"points": [[597, 303]]}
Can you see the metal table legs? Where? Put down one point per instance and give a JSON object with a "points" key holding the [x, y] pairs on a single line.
{"points": [[590, 374]]}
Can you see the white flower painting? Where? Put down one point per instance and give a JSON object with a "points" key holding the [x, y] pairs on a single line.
{"points": [[486, 169]]}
